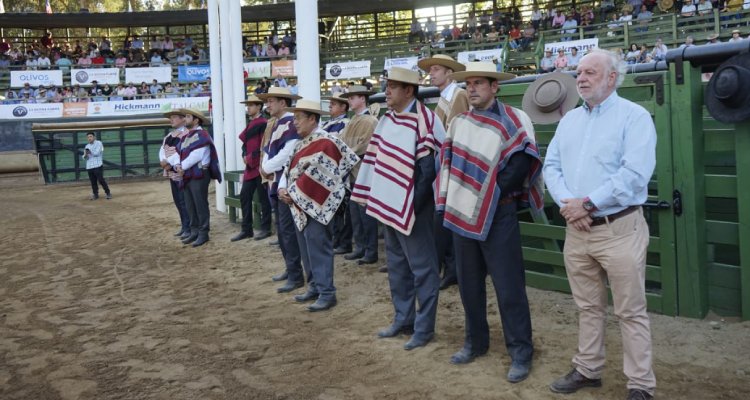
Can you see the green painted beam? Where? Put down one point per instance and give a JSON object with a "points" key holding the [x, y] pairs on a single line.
{"points": [[724, 186], [742, 140], [722, 232]]}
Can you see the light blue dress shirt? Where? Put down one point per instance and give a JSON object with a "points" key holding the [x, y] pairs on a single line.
{"points": [[96, 155], [607, 154]]}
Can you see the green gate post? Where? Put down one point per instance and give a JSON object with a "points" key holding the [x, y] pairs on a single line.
{"points": [[690, 227], [742, 150]]}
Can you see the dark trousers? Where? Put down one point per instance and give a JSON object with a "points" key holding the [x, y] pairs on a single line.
{"points": [[444, 245], [365, 229], [316, 249], [499, 256], [246, 201], [342, 230], [196, 200], [413, 274], [287, 233], [178, 197], [97, 175]]}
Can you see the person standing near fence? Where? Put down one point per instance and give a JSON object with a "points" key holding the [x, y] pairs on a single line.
{"points": [[93, 153], [251, 138], [168, 149], [597, 169], [197, 162], [453, 101]]}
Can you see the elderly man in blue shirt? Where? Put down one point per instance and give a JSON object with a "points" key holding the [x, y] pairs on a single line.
{"points": [[93, 153], [597, 170]]}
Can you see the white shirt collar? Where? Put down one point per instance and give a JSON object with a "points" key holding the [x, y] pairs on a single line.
{"points": [[447, 93]]}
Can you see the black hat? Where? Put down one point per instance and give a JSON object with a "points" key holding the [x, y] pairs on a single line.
{"points": [[727, 95]]}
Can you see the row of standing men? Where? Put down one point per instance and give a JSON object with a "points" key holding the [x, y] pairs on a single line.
{"points": [[452, 197]]}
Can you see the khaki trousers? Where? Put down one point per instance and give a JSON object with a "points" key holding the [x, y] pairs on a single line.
{"points": [[614, 252]]}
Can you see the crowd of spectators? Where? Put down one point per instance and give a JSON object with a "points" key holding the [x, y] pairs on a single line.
{"points": [[273, 46]]}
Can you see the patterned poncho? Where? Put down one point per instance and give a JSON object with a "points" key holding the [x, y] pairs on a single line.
{"points": [[478, 146], [385, 183], [197, 139], [315, 177]]}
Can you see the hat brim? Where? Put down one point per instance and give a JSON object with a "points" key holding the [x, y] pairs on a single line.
{"points": [[425, 64], [361, 93], [406, 82], [720, 111], [341, 99], [251, 102], [266, 96], [540, 117], [310, 110], [498, 76], [173, 112]]}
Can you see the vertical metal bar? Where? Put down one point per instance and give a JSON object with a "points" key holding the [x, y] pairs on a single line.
{"points": [[123, 159], [688, 175], [742, 149]]}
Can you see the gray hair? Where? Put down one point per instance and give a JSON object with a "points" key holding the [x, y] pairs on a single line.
{"points": [[614, 64]]}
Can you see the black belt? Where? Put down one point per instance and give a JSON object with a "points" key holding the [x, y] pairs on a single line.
{"points": [[603, 220]]}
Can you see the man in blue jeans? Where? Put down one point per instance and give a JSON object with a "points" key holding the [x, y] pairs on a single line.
{"points": [[93, 153]]}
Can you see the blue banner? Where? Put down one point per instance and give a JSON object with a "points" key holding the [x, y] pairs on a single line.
{"points": [[193, 73]]}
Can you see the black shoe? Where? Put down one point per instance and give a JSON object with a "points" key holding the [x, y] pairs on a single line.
{"points": [[354, 256], [395, 330], [307, 296], [180, 233], [279, 277], [365, 261], [109, 196], [322, 305], [262, 235], [241, 235], [94, 197], [383, 268], [466, 355], [572, 382], [190, 239], [202, 239], [417, 341], [289, 286], [342, 250], [185, 234], [519, 371], [639, 394], [448, 282]]}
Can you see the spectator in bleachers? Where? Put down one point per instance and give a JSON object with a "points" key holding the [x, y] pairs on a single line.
{"points": [[27, 98], [127, 43], [97, 60], [736, 36], [143, 91], [121, 61], [472, 23], [11, 97], [182, 57], [43, 62], [635, 6], [187, 43], [688, 9], [31, 61], [155, 44], [631, 57], [713, 39], [456, 33], [167, 44], [41, 95], [547, 64], [415, 31], [283, 50], [80, 94], [137, 43], [704, 8], [659, 53], [270, 51], [644, 18], [586, 12], [105, 46], [528, 36], [574, 59], [26, 89], [650, 4], [118, 93], [558, 20], [536, 17], [492, 36], [477, 37], [430, 28], [170, 91], [732, 10], [569, 28], [4, 65], [155, 87], [84, 61], [46, 40], [484, 22], [4, 46], [446, 32], [561, 61], [63, 63], [515, 37], [645, 56], [15, 56], [107, 91], [130, 92], [156, 60]]}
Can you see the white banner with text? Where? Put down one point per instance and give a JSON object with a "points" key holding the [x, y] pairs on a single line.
{"points": [[404, 62], [36, 78], [583, 46], [85, 77], [348, 70], [479, 55], [148, 74]]}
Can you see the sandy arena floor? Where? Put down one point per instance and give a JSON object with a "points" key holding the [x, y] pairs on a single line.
{"points": [[99, 301]]}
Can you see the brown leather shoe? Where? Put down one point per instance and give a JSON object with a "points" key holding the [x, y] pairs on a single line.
{"points": [[639, 394], [573, 381]]}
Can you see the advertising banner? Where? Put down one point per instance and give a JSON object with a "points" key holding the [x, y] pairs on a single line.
{"points": [[148, 74], [31, 111], [479, 55], [36, 78], [583, 45], [84, 77], [149, 106], [193, 73], [257, 70], [405, 62], [283, 68], [74, 110], [348, 70]]}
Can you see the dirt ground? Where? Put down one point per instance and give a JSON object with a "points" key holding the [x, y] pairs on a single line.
{"points": [[99, 301]]}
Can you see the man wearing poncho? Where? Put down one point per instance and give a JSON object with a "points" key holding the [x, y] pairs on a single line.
{"points": [[395, 183], [490, 167], [313, 186]]}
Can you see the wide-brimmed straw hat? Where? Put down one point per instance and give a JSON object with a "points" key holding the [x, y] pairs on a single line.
{"points": [[713, 36], [403, 75], [339, 97], [549, 97], [195, 113], [252, 99], [279, 92], [176, 111], [355, 90], [308, 106], [440, 59], [481, 69], [666, 5], [727, 95]]}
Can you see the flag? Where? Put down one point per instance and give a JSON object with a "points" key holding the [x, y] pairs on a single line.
{"points": [[130, 6], [48, 8]]}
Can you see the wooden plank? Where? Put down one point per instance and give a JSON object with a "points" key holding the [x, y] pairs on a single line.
{"points": [[724, 275], [721, 186], [726, 299], [722, 232]]}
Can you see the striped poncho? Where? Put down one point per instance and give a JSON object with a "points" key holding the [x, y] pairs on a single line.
{"points": [[478, 146], [315, 177], [385, 183]]}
